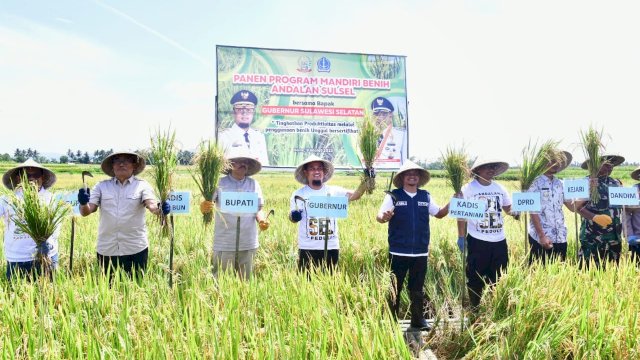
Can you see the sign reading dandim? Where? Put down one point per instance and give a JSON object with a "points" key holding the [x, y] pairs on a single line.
{"points": [[284, 105]]}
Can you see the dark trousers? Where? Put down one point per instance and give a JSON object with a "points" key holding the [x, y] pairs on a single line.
{"points": [[537, 252], [416, 267], [634, 252], [485, 263], [128, 263], [306, 258], [29, 269]]}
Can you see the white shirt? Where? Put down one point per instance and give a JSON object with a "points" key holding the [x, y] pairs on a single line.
{"points": [[391, 149], [18, 246], [491, 227], [122, 229], [233, 137], [311, 230], [387, 204], [224, 235]]}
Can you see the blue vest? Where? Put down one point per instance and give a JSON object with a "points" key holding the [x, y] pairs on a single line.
{"points": [[409, 226]]}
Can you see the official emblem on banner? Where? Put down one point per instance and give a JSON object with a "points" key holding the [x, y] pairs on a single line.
{"points": [[324, 65], [304, 64]]}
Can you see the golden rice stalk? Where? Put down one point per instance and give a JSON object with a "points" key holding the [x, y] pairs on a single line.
{"points": [[593, 148], [368, 141], [164, 157], [209, 164], [37, 218], [537, 160], [455, 162]]}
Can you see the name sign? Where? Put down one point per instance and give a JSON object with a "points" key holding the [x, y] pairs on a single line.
{"points": [[328, 206], [576, 189], [180, 202], [71, 199], [627, 196], [467, 209], [239, 202], [526, 202]]}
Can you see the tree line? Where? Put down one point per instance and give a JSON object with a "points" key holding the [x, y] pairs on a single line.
{"points": [[78, 156]]}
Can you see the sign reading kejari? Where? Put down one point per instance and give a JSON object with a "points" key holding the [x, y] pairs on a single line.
{"points": [[284, 105]]}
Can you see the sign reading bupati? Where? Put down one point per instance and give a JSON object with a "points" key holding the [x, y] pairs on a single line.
{"points": [[284, 105], [180, 202], [328, 206], [71, 199], [467, 209], [239, 202], [625, 196], [576, 189], [526, 202]]}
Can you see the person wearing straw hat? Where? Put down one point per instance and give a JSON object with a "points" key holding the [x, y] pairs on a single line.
{"points": [[391, 144], [487, 255], [238, 179], [314, 173], [407, 211], [632, 222], [19, 248], [547, 230], [601, 226], [241, 134], [122, 199]]}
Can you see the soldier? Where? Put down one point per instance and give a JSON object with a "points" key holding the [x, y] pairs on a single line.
{"points": [[240, 134], [601, 226], [391, 142]]}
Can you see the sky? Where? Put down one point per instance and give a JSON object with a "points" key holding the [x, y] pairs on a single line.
{"points": [[492, 75]]}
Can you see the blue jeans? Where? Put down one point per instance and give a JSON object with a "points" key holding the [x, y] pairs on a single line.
{"points": [[27, 267]]}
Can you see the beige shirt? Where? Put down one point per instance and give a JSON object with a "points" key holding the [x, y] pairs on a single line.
{"points": [[122, 229]]}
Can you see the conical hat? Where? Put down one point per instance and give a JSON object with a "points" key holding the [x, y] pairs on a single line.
{"points": [[48, 178], [567, 161], [614, 160], [502, 166], [107, 163], [254, 166], [328, 169], [635, 174], [410, 165]]}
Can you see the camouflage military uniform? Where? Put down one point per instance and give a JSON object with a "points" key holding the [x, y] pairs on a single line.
{"points": [[597, 242]]}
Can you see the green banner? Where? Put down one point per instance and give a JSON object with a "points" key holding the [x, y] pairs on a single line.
{"points": [[285, 105]]}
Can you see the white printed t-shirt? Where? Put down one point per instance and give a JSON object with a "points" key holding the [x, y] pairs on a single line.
{"points": [[311, 230], [495, 196], [18, 246]]}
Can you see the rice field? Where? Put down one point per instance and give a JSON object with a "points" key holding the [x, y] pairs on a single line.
{"points": [[555, 311]]}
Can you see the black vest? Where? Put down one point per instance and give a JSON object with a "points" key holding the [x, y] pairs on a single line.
{"points": [[409, 227]]}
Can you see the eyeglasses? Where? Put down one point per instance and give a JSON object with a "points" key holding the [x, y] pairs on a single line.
{"points": [[244, 110], [240, 162], [316, 168], [33, 174], [381, 112], [492, 166]]}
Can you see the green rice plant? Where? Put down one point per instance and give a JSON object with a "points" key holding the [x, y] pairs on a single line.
{"points": [[537, 160], [593, 147], [455, 162], [209, 164], [37, 218], [368, 141], [164, 156]]}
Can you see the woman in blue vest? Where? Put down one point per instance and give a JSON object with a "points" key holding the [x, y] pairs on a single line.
{"points": [[407, 211]]}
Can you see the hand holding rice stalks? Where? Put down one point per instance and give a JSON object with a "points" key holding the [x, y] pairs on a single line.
{"points": [[38, 218], [537, 161], [368, 141], [164, 157], [455, 162], [593, 148], [209, 164]]}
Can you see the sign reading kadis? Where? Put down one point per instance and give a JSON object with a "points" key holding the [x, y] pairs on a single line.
{"points": [[467, 209], [285, 105]]}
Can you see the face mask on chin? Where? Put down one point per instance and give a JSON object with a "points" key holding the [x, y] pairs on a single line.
{"points": [[316, 182], [243, 125]]}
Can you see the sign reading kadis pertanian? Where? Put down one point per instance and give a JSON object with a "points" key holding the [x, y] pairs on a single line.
{"points": [[284, 105]]}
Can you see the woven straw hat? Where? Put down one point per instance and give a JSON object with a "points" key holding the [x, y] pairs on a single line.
{"points": [[107, 163], [502, 166], [12, 177], [328, 169], [410, 165], [238, 153], [614, 160]]}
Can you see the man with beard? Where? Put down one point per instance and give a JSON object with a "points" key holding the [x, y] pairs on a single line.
{"points": [[313, 173], [391, 144], [241, 135]]}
